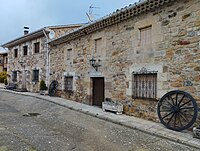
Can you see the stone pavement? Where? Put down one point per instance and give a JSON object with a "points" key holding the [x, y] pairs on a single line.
{"points": [[149, 127]]}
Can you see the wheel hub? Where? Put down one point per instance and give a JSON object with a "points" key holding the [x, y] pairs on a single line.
{"points": [[175, 109]]}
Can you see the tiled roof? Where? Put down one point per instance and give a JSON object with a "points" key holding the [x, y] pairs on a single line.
{"points": [[111, 19]]}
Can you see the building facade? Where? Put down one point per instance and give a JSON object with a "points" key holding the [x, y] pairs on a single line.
{"points": [[28, 56], [141, 52], [3, 61]]}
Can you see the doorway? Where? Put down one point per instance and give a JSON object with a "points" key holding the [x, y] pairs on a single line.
{"points": [[98, 91]]}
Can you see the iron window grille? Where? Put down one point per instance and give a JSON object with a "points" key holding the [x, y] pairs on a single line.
{"points": [[35, 75], [68, 81], [145, 84], [14, 76]]}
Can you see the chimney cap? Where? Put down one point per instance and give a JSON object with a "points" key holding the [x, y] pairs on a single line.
{"points": [[25, 27]]}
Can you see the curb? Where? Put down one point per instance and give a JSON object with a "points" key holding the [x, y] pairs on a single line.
{"points": [[191, 143]]}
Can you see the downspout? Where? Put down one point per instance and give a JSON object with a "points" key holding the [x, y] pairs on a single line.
{"points": [[47, 59]]}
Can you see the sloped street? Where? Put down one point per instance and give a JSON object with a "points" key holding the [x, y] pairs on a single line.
{"points": [[31, 124]]}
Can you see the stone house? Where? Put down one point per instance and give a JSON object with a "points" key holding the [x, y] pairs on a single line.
{"points": [[28, 56], [141, 51], [3, 61]]}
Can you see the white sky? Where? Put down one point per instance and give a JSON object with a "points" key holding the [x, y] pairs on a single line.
{"points": [[15, 14]]}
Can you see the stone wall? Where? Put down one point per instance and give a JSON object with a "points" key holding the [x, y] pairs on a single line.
{"points": [[174, 54], [31, 61]]}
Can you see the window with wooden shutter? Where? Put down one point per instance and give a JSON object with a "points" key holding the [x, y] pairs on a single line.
{"points": [[98, 44], [69, 54], [146, 36]]}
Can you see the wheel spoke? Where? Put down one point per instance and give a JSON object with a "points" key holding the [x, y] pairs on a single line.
{"points": [[180, 121], [172, 99], [170, 118], [167, 115], [183, 117], [185, 103], [167, 110], [176, 98], [175, 120], [168, 102], [189, 107], [181, 100]]}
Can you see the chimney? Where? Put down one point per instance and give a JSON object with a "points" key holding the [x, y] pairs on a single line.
{"points": [[26, 30]]}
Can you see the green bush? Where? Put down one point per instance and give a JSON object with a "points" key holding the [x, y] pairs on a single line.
{"points": [[43, 85], [5, 81], [3, 75]]}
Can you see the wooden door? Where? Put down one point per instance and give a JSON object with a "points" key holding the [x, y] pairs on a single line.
{"points": [[98, 91]]}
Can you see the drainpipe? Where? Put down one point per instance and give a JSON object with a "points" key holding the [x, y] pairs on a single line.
{"points": [[47, 59]]}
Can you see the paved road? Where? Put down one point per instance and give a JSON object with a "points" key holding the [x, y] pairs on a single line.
{"points": [[60, 129]]}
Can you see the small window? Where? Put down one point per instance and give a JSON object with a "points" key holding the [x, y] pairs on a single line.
{"points": [[69, 54], [15, 53], [98, 44], [146, 36], [14, 76], [68, 83], [37, 47], [25, 50], [145, 86], [35, 75]]}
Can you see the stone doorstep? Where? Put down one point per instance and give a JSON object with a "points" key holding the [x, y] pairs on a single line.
{"points": [[138, 124]]}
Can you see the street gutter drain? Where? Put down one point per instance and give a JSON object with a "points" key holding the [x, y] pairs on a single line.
{"points": [[31, 114]]}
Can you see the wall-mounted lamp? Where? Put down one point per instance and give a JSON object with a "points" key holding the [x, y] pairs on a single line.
{"points": [[95, 64]]}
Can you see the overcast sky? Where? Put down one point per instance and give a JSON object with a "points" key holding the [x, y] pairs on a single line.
{"points": [[15, 14]]}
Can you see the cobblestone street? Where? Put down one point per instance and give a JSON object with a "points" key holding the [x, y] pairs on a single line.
{"points": [[58, 128]]}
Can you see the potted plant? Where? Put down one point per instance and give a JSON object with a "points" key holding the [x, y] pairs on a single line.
{"points": [[43, 87]]}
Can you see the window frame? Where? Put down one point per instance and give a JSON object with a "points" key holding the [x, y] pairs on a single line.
{"points": [[96, 45], [145, 36], [68, 83], [36, 74], [14, 76], [25, 49], [69, 54], [36, 47], [145, 85], [16, 53]]}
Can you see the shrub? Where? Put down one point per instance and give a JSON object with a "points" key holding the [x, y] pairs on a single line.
{"points": [[5, 81], [3, 75], [43, 85]]}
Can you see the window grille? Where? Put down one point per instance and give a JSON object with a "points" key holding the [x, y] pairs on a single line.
{"points": [[145, 86], [35, 75], [14, 76], [68, 83], [145, 36], [37, 47]]}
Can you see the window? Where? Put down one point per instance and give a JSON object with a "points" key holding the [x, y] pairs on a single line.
{"points": [[145, 85], [15, 53], [98, 44], [25, 50], [68, 83], [69, 54], [14, 76], [35, 75], [37, 47], [145, 36]]}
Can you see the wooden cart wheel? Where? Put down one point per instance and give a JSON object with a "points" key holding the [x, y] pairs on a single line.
{"points": [[53, 87], [177, 110]]}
